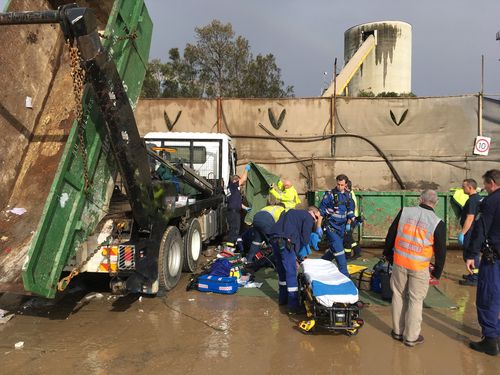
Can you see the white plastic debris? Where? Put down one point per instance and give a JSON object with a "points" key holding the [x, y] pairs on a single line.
{"points": [[253, 285], [19, 345], [18, 210], [141, 310], [140, 299], [4, 238], [191, 300], [29, 102], [93, 295]]}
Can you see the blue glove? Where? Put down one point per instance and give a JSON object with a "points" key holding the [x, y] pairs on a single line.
{"points": [[461, 239], [248, 209], [304, 251], [348, 227], [247, 168], [319, 232], [314, 240]]}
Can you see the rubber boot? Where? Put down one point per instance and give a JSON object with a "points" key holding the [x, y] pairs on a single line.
{"points": [[488, 345], [293, 304]]}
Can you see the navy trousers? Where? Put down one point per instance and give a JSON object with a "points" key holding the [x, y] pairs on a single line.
{"points": [[336, 243], [488, 299], [233, 223], [287, 274], [262, 224], [477, 259]]}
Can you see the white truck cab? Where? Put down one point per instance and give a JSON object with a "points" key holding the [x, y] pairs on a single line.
{"points": [[211, 155]]}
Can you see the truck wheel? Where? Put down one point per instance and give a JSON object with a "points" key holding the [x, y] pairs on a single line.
{"points": [[192, 246], [170, 258]]}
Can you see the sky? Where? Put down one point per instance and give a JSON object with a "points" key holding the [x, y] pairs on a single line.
{"points": [[449, 36]]}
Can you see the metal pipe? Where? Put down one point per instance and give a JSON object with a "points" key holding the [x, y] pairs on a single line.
{"points": [[277, 139], [23, 18]]}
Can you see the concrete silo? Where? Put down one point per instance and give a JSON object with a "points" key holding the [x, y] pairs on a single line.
{"points": [[386, 68]]}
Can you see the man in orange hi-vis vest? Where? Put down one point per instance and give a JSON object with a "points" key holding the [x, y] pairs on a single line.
{"points": [[415, 236]]}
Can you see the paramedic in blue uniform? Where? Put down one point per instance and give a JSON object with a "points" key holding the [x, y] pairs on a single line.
{"points": [[234, 206], [486, 231], [290, 233], [337, 209]]}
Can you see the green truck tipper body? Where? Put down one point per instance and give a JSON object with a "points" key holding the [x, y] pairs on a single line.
{"points": [[63, 172]]}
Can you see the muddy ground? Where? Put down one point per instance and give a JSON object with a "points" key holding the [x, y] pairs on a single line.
{"points": [[196, 333]]}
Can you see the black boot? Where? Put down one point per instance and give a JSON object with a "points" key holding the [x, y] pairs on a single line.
{"points": [[487, 345]]}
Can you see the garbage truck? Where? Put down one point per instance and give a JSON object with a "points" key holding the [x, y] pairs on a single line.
{"points": [[80, 190]]}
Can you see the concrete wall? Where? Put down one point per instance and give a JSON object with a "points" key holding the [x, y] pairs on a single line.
{"points": [[431, 147]]}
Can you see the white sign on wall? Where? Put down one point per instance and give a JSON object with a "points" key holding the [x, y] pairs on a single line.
{"points": [[482, 145]]}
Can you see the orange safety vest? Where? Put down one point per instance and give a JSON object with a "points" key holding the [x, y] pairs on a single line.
{"points": [[413, 248]]}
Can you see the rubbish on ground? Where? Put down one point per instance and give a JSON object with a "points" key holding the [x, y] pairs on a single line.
{"points": [[140, 299], [191, 299], [38, 303], [141, 310], [4, 238], [93, 295], [253, 285], [17, 210], [19, 345], [5, 316], [29, 102]]}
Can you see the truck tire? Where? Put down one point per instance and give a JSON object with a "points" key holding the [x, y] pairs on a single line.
{"points": [[170, 258], [192, 246]]}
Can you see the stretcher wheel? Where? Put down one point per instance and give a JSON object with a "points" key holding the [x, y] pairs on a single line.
{"points": [[307, 326], [352, 332]]}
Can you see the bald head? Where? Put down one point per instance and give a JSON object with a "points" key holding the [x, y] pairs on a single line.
{"points": [[287, 184]]}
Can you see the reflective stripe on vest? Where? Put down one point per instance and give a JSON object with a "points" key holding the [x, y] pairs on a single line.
{"points": [[413, 248], [275, 211]]}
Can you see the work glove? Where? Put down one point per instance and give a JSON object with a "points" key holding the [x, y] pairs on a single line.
{"points": [[348, 227], [460, 239], [304, 251], [247, 168], [314, 240], [319, 232]]}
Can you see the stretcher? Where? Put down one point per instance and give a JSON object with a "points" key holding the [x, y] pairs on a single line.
{"points": [[330, 298]]}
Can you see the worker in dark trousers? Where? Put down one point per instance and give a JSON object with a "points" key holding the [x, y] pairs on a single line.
{"points": [[485, 239], [467, 216], [291, 232], [262, 224], [337, 207], [234, 206]]}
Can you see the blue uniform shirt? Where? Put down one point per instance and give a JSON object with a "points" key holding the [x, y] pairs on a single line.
{"points": [[487, 223], [337, 207], [471, 207], [234, 196], [294, 225]]}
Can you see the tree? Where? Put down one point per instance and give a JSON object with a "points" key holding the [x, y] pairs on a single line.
{"points": [[219, 64]]}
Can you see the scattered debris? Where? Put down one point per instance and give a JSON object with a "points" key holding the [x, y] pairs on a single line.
{"points": [[191, 299], [17, 210], [140, 299], [38, 303], [29, 102], [253, 285], [4, 238], [141, 310], [19, 345], [5, 316], [93, 295]]}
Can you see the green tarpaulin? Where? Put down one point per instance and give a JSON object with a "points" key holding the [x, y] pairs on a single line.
{"points": [[259, 180]]}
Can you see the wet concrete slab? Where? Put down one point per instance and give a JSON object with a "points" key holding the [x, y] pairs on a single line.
{"points": [[198, 333]]}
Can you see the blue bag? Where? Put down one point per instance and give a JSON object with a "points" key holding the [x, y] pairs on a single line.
{"points": [[223, 285]]}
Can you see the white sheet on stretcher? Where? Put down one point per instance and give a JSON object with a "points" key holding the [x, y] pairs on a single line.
{"points": [[327, 283]]}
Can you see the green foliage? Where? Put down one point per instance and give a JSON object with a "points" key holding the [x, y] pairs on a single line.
{"points": [[386, 94], [366, 94], [219, 64]]}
